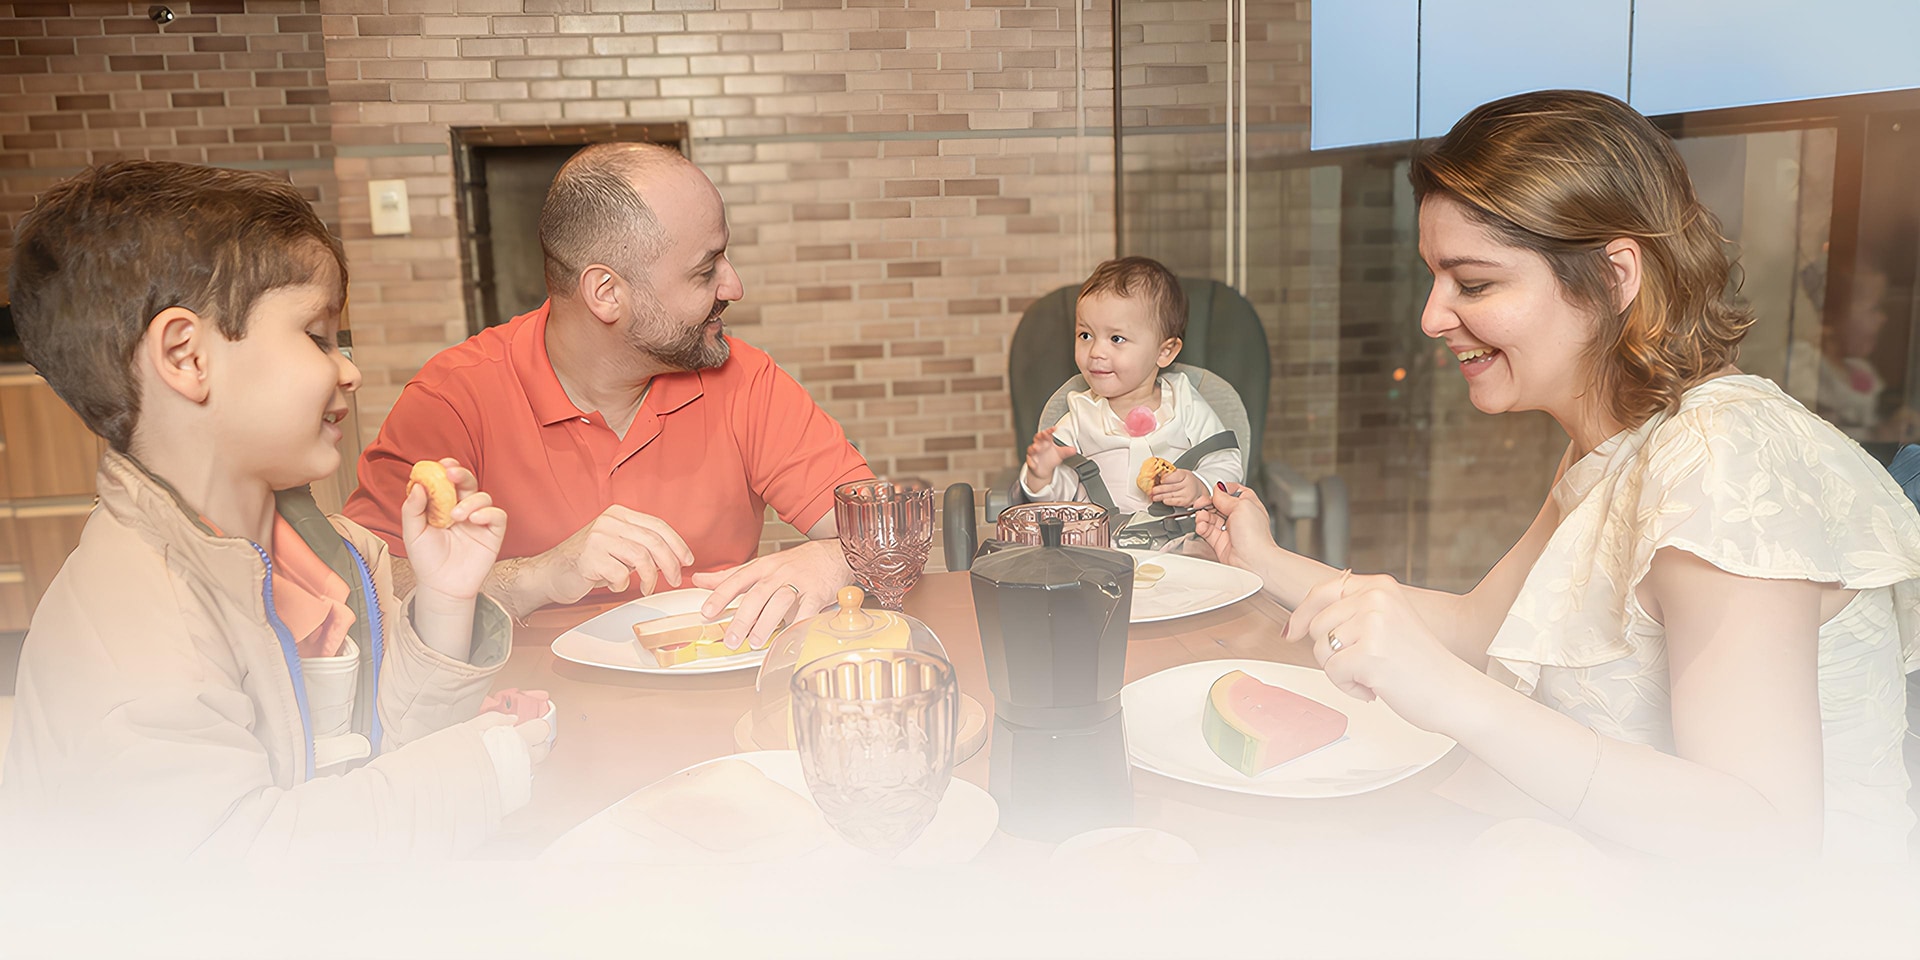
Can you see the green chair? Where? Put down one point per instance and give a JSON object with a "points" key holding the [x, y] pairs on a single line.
{"points": [[1224, 337]]}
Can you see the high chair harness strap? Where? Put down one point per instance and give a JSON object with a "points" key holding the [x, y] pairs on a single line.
{"points": [[1096, 488]]}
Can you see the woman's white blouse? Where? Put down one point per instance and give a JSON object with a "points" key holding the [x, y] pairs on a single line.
{"points": [[1749, 480]]}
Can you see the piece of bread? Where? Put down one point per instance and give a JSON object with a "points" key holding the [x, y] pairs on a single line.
{"points": [[724, 811], [686, 637], [1152, 471], [441, 496]]}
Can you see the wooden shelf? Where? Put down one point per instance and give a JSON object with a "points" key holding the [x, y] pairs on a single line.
{"points": [[48, 459]]}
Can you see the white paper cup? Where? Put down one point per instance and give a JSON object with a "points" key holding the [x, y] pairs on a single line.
{"points": [[331, 684]]}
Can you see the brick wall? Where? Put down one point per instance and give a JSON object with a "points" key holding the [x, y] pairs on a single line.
{"points": [[228, 82], [903, 177], [901, 180]]}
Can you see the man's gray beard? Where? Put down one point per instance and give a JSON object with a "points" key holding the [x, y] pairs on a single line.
{"points": [[688, 350]]}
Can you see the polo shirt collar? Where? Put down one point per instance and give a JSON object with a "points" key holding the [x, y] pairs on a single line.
{"points": [[551, 405]]}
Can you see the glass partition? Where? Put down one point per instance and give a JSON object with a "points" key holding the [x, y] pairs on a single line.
{"points": [[1326, 251]]}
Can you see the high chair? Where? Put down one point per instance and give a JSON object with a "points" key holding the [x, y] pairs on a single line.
{"points": [[1225, 350]]}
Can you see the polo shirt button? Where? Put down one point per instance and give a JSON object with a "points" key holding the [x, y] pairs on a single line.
{"points": [[587, 420]]}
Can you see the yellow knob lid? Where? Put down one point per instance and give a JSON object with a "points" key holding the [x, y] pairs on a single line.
{"points": [[850, 618]]}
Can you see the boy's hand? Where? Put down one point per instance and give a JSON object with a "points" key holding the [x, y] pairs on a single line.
{"points": [[1043, 456], [451, 563], [1178, 488]]}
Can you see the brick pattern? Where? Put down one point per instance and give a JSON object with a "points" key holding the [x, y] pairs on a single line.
{"points": [[227, 82], [901, 182], [1174, 63], [884, 272]]}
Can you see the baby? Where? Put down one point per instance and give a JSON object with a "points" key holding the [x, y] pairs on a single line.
{"points": [[1131, 422]]}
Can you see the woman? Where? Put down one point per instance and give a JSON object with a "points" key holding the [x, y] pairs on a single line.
{"points": [[1698, 647]]}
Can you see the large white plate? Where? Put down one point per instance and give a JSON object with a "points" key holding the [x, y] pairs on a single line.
{"points": [[964, 823], [1163, 735], [607, 640], [1191, 586]]}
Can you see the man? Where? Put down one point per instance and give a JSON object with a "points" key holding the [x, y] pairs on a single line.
{"points": [[628, 438]]}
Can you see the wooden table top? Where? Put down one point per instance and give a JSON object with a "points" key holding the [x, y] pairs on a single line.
{"points": [[620, 731]]}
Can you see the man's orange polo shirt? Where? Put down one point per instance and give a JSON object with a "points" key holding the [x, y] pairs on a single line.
{"points": [[707, 451]]}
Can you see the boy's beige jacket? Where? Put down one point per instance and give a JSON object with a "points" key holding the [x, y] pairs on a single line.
{"points": [[156, 717]]}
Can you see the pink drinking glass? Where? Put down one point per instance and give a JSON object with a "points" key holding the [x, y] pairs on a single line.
{"points": [[886, 529]]}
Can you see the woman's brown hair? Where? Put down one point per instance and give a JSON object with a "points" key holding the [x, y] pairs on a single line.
{"points": [[1563, 173]]}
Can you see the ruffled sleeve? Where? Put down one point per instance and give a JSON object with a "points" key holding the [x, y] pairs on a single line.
{"points": [[1741, 476]]}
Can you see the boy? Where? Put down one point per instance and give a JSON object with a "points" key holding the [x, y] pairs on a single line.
{"points": [[179, 688], [1131, 422]]}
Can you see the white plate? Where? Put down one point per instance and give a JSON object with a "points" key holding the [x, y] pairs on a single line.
{"points": [[1145, 848], [607, 640], [1191, 586], [1163, 735], [964, 823]]}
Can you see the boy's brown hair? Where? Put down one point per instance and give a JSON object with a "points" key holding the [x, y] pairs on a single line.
{"points": [[101, 255], [1142, 277]]}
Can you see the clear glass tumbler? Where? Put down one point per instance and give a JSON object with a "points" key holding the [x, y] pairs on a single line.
{"points": [[875, 730]]}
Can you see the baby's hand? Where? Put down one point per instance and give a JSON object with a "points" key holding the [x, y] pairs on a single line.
{"points": [[1178, 488], [1043, 455], [453, 560]]}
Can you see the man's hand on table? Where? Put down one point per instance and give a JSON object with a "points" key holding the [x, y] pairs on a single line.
{"points": [[793, 583], [618, 546]]}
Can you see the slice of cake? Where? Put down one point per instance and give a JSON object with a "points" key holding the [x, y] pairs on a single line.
{"points": [[1255, 726]]}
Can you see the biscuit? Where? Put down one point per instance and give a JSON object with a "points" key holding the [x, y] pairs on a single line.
{"points": [[1152, 471], [441, 496]]}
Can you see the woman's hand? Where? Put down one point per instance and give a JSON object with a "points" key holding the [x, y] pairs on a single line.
{"points": [[452, 562], [1236, 527], [1372, 643]]}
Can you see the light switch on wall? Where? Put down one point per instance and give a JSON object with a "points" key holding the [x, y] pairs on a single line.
{"points": [[389, 200]]}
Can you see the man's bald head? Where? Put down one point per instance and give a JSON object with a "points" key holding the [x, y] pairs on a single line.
{"points": [[594, 214]]}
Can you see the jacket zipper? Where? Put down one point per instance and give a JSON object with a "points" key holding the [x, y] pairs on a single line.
{"points": [[291, 653]]}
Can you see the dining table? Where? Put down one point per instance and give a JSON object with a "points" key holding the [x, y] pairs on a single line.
{"points": [[621, 731]]}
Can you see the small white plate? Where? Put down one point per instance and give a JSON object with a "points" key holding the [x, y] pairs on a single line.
{"points": [[964, 823], [607, 640], [1145, 847], [1163, 735], [1191, 586]]}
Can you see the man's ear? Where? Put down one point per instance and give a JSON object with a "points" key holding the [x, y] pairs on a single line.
{"points": [[1169, 349], [1623, 255], [603, 291], [174, 352]]}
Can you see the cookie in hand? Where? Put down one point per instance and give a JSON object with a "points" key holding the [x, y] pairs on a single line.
{"points": [[441, 496], [1152, 471]]}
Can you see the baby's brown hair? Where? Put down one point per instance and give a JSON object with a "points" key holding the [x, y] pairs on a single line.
{"points": [[1142, 277]]}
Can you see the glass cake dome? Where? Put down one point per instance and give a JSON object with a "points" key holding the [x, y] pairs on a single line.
{"points": [[844, 628]]}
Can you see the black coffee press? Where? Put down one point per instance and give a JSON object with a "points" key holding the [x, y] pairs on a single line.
{"points": [[1053, 628]]}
